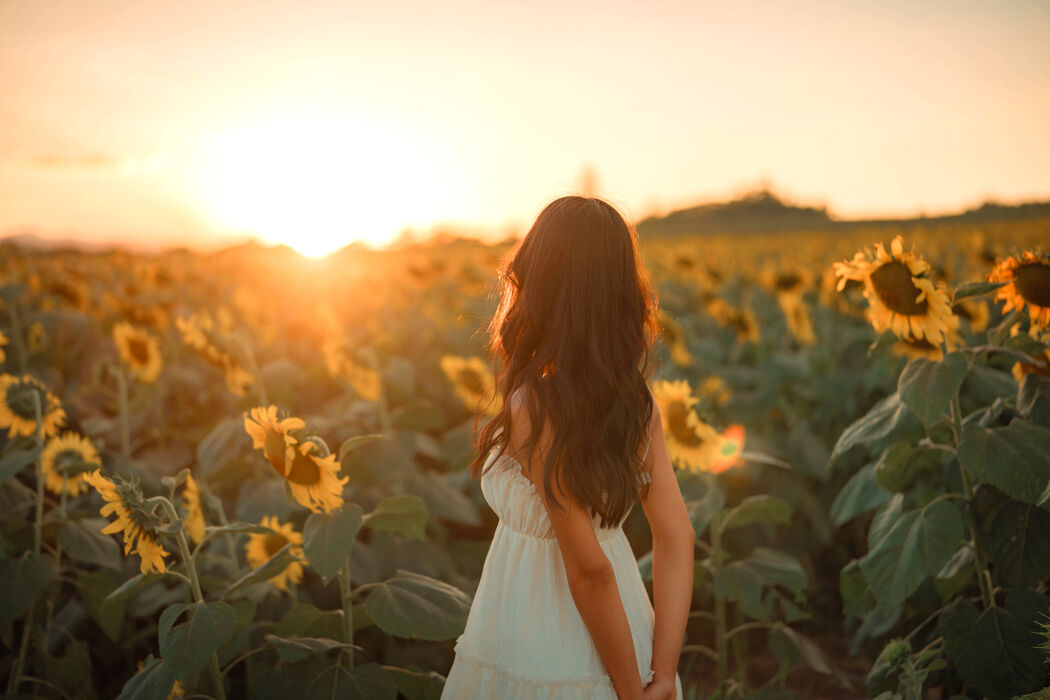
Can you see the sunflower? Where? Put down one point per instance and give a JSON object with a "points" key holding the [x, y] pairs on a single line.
{"points": [[36, 337], [63, 461], [716, 390], [974, 311], [191, 499], [139, 349], [900, 295], [271, 434], [140, 527], [1028, 281], [472, 382], [3, 341], [341, 363], [691, 443], [740, 320], [671, 334], [798, 320], [260, 547], [17, 413], [314, 480], [238, 379]]}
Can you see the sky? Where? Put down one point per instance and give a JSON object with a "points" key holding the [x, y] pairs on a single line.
{"points": [[196, 122]]}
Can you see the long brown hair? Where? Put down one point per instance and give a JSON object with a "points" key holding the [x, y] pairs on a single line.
{"points": [[575, 324]]}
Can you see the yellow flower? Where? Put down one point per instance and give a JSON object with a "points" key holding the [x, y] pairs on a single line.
{"points": [[139, 349], [473, 383], [1028, 281], [191, 499], [138, 526], [36, 337], [198, 331], [671, 334], [270, 434], [715, 389], [900, 296], [340, 363], [17, 413], [3, 341], [61, 453], [798, 320], [691, 443], [314, 480], [740, 320], [260, 547]]}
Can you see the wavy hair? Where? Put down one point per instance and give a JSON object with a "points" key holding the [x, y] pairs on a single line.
{"points": [[575, 325]]}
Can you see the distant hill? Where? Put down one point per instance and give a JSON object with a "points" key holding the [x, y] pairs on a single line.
{"points": [[765, 212]]}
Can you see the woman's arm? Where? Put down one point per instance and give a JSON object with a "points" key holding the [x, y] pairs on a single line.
{"points": [[673, 542], [591, 578]]}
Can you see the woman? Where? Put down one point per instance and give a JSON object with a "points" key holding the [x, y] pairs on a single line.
{"points": [[561, 610]]}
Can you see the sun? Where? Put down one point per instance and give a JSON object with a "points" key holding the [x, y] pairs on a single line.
{"points": [[317, 180]]}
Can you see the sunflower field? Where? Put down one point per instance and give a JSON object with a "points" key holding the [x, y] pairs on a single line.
{"points": [[243, 474]]}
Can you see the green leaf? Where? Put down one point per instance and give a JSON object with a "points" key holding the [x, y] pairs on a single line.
{"points": [[185, 648], [366, 682], [304, 620], [927, 387], [93, 588], [1033, 399], [82, 541], [219, 446], [153, 682], [757, 509], [974, 289], [292, 649], [416, 684], [703, 509], [22, 580], [441, 499], [743, 581], [418, 414], [237, 528], [859, 495], [353, 443], [270, 568], [888, 421], [856, 594], [1015, 459], [16, 460], [1015, 537], [419, 607], [132, 585], [916, 544], [902, 463], [327, 538], [994, 651], [403, 514], [793, 647]]}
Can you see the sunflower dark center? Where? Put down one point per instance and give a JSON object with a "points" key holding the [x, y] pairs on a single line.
{"points": [[20, 400], [138, 350], [677, 421], [68, 461], [304, 470], [272, 544], [788, 281], [1032, 281], [472, 381], [893, 285]]}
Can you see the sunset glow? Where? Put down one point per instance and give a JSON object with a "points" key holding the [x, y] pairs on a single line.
{"points": [[317, 181]]}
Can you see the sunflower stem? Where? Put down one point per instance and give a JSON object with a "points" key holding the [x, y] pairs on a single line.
{"points": [[348, 611], [259, 384], [981, 568], [195, 586], [384, 410], [16, 331], [125, 435]]}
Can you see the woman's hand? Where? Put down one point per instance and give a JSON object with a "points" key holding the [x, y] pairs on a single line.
{"points": [[660, 689]]}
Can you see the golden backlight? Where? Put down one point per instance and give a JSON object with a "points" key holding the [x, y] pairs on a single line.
{"points": [[317, 181]]}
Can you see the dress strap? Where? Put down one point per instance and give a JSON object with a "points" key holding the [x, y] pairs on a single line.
{"points": [[648, 444]]}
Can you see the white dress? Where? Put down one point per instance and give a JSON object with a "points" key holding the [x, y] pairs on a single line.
{"points": [[524, 638]]}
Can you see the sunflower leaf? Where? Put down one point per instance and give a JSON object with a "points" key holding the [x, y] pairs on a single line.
{"points": [[328, 538], [1014, 458], [417, 684], [353, 443], [927, 387], [974, 289], [22, 580], [702, 510], [365, 682], [888, 420], [756, 509], [404, 514], [185, 648], [905, 548], [419, 607], [1033, 399], [270, 568], [862, 493], [82, 540], [153, 682], [292, 649], [16, 460]]}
